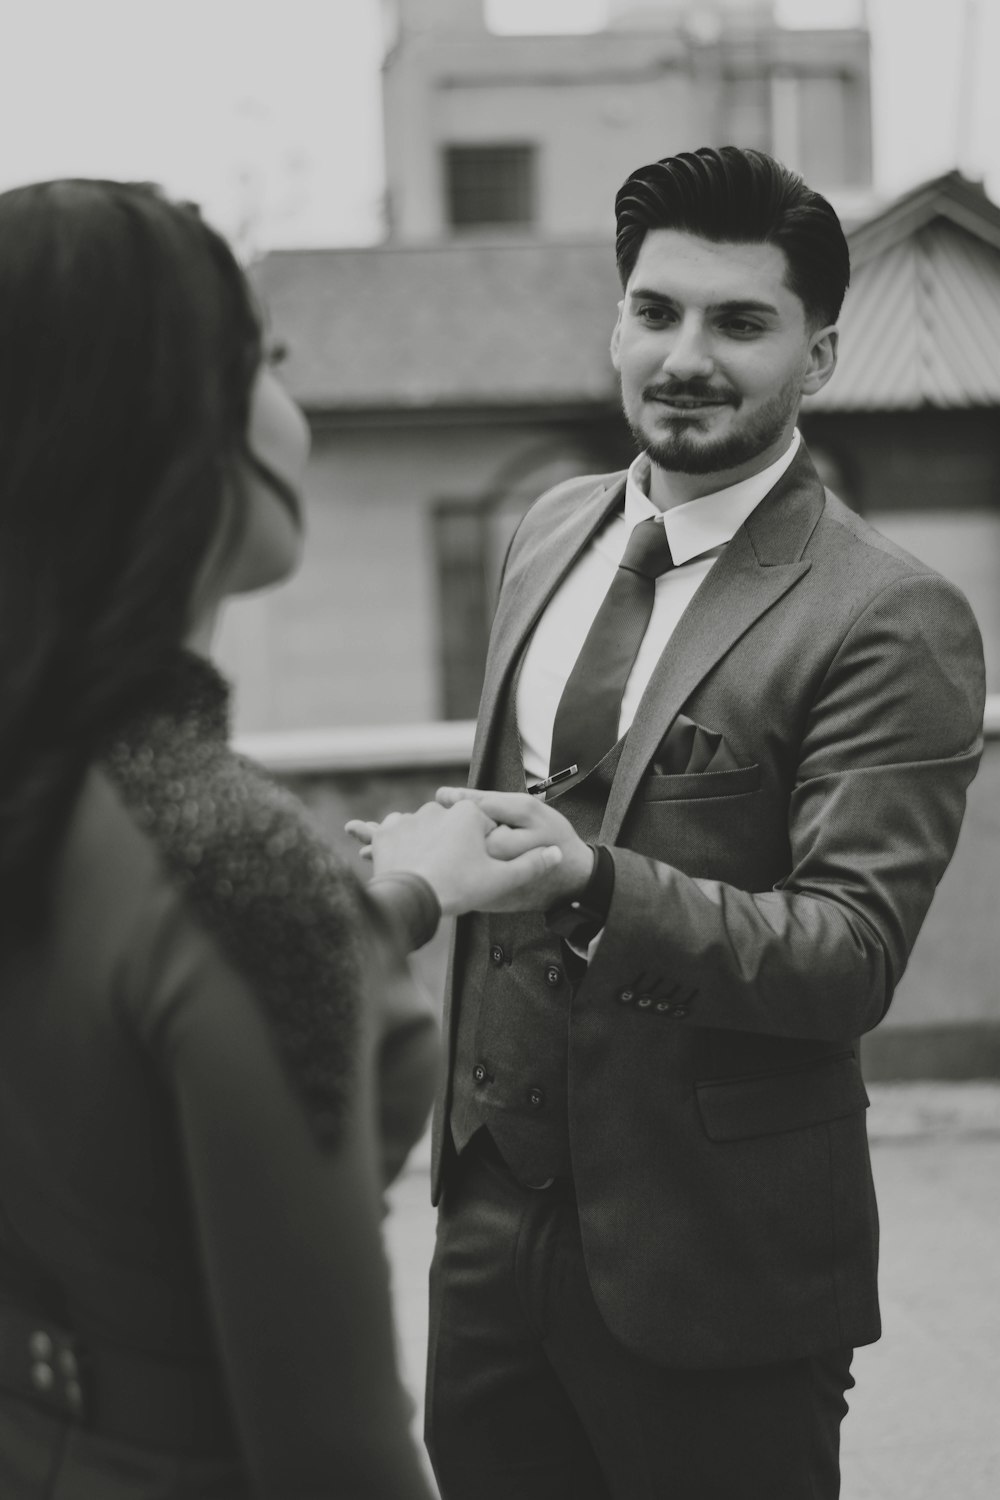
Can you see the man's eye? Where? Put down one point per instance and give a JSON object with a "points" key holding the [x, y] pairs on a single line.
{"points": [[742, 328], [650, 313]]}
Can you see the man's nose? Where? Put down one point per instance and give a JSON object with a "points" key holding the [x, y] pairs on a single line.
{"points": [[689, 355]]}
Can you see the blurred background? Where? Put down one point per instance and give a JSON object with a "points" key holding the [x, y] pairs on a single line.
{"points": [[423, 190]]}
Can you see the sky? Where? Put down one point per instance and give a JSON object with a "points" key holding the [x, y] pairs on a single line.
{"points": [[267, 112]]}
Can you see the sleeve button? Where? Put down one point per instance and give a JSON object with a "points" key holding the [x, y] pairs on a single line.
{"points": [[680, 1010], [644, 1002], [40, 1345], [625, 997], [664, 1007]]}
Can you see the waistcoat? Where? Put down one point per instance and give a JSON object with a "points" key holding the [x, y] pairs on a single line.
{"points": [[513, 986]]}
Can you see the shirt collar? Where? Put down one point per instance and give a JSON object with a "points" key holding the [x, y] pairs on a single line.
{"points": [[710, 521]]}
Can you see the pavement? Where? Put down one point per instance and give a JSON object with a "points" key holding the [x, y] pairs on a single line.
{"points": [[924, 1419]]}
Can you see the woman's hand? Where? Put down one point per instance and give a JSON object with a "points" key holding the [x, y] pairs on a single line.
{"points": [[449, 847]]}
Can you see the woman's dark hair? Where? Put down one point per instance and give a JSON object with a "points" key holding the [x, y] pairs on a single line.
{"points": [[746, 197], [129, 343]]}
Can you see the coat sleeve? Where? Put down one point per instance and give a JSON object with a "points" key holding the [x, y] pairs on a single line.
{"points": [[288, 1235], [408, 1039], [892, 740]]}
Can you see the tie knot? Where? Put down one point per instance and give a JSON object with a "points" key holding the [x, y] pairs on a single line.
{"points": [[647, 550]]}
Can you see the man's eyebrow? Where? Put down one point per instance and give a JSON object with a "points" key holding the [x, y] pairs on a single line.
{"points": [[736, 305]]}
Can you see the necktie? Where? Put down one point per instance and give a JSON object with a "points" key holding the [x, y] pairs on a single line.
{"points": [[586, 722]]}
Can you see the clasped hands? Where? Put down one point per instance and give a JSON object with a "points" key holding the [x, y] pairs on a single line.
{"points": [[482, 851]]}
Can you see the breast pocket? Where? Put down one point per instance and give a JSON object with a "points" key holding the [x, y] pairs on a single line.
{"points": [[701, 784]]}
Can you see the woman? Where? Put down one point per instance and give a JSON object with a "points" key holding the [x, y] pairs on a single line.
{"points": [[193, 1295]]}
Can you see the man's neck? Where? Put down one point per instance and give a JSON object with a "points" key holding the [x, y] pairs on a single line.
{"points": [[669, 488]]}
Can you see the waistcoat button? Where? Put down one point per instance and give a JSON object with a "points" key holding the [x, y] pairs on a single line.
{"points": [[553, 975], [496, 955]]}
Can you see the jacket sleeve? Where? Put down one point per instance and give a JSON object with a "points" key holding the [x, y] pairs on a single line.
{"points": [[408, 1040], [892, 740], [288, 1234]]}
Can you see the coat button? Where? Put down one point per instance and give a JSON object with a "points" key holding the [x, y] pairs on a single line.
{"points": [[536, 1097], [644, 1002], [553, 975], [479, 1073], [625, 997], [496, 955]]}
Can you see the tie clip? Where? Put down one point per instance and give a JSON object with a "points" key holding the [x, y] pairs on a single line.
{"points": [[554, 780]]}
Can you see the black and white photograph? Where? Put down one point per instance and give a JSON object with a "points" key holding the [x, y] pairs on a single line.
{"points": [[499, 750]]}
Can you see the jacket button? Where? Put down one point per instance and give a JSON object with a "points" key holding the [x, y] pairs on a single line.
{"points": [[625, 997], [536, 1097], [553, 975], [479, 1073], [644, 1002], [496, 955]]}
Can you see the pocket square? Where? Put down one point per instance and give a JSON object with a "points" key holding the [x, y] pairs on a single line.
{"points": [[688, 748]]}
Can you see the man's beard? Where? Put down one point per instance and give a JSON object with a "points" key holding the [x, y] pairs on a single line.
{"points": [[680, 452]]}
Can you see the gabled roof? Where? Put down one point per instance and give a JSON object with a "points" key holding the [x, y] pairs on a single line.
{"points": [[951, 197], [479, 325], [921, 321]]}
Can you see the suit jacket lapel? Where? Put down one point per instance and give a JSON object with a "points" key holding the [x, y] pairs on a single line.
{"points": [[529, 584], [761, 563]]}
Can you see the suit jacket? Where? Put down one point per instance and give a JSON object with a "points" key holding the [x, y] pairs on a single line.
{"points": [[762, 917]]}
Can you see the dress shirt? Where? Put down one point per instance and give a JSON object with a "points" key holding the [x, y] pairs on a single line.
{"points": [[696, 531]]}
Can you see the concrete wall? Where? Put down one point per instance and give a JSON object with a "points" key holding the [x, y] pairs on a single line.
{"points": [[945, 1019], [354, 637]]}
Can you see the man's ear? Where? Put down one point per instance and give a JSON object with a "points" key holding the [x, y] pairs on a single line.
{"points": [[822, 360], [616, 337]]}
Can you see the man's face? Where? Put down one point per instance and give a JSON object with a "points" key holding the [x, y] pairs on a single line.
{"points": [[714, 352]]}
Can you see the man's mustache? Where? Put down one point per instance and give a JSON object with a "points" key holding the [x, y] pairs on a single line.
{"points": [[694, 390]]}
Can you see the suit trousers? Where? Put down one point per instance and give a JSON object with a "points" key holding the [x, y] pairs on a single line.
{"points": [[530, 1397]]}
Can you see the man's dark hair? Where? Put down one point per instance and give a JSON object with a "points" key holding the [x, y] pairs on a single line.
{"points": [[745, 197]]}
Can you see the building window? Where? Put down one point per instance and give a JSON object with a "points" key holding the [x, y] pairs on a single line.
{"points": [[490, 186]]}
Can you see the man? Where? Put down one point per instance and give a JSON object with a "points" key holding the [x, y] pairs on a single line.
{"points": [[658, 1238]]}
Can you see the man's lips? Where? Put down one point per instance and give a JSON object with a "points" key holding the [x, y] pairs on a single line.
{"points": [[681, 401]]}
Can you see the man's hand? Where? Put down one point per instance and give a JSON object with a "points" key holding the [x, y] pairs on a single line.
{"points": [[523, 823], [449, 848]]}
